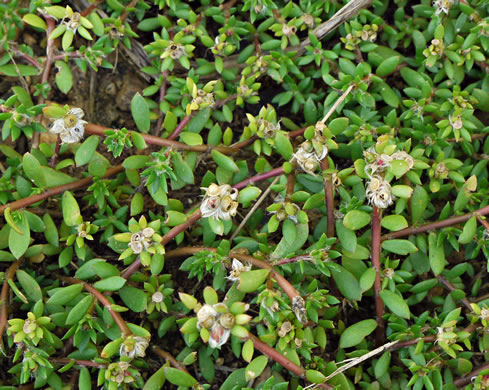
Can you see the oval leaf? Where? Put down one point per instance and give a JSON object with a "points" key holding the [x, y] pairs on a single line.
{"points": [[355, 334], [395, 303], [356, 219]]}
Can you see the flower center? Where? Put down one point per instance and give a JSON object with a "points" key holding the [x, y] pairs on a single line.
{"points": [[70, 120]]}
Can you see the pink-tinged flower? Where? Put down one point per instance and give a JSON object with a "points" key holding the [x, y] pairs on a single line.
{"points": [[219, 335]]}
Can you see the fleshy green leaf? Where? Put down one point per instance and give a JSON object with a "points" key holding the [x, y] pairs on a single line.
{"points": [[355, 334]]}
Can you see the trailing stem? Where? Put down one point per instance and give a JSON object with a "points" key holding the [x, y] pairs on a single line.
{"points": [[168, 356], [281, 359], [379, 304], [21, 203], [125, 331], [4, 299], [451, 288], [436, 225]]}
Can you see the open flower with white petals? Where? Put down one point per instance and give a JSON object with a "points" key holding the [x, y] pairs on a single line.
{"points": [[219, 202], [71, 127], [134, 346], [379, 193]]}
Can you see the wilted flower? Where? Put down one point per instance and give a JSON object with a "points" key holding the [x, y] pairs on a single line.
{"points": [[219, 202], [219, 335], [310, 153], [141, 240], [376, 162], [299, 308], [71, 127], [379, 193], [442, 6], [237, 269], [134, 346], [119, 373]]}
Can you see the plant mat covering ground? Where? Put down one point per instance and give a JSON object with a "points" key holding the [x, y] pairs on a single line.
{"points": [[244, 194]]}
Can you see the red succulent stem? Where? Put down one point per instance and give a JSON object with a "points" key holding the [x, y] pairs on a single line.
{"points": [[328, 198], [4, 298]]}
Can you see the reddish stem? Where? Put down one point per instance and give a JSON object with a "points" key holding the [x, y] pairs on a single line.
{"points": [[85, 363], [181, 126], [465, 380], [483, 222], [54, 159], [168, 356], [451, 288], [125, 331], [21, 203], [328, 198], [4, 299], [281, 359], [379, 304], [435, 225], [259, 177]]}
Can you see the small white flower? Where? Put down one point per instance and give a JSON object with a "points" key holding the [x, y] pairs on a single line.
{"points": [[71, 127], [379, 193], [237, 269], [376, 162], [134, 346], [219, 202]]}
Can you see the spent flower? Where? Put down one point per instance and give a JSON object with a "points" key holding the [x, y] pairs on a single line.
{"points": [[379, 192], [219, 202]]}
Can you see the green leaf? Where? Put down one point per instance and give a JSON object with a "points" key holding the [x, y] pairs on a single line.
{"points": [[170, 122], [179, 378], [71, 210], [382, 365], [400, 247], [67, 39], [394, 222], [367, 279], [310, 111], [338, 125], [469, 231], [133, 298], [224, 161], [64, 77], [84, 380], [284, 146], [18, 243], [140, 112], [64, 295], [51, 231], [347, 283], [289, 230], [250, 281], [284, 248], [436, 254], [314, 376], [199, 120], [23, 97], [182, 170], [347, 237], [355, 334], [237, 378], [256, 367], [79, 310], [356, 219], [112, 283], [248, 195], [402, 191], [55, 178], [30, 286], [32, 169], [13, 70], [35, 21], [190, 138], [86, 150], [156, 381], [395, 303], [388, 66], [136, 162], [399, 168], [419, 201]]}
